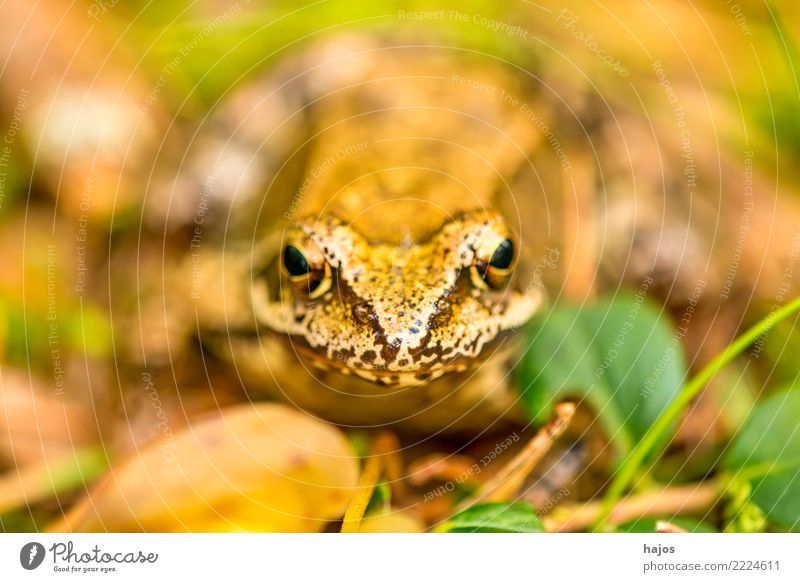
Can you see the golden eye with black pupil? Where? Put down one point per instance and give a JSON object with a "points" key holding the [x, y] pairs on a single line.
{"points": [[496, 271], [503, 255], [295, 261], [309, 274]]}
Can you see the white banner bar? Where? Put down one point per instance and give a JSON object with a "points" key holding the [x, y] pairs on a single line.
{"points": [[379, 557]]}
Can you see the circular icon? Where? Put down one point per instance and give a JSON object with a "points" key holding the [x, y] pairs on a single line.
{"points": [[31, 555]]}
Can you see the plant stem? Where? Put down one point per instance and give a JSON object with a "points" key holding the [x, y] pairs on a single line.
{"points": [[633, 461], [384, 445], [504, 485], [669, 502]]}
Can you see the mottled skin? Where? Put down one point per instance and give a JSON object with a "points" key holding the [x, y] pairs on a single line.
{"points": [[398, 315]]}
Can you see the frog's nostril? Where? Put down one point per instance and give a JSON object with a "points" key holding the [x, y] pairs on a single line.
{"points": [[362, 312]]}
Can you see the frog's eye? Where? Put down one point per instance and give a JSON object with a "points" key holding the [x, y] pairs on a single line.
{"points": [[309, 273], [295, 261], [503, 256], [495, 269]]}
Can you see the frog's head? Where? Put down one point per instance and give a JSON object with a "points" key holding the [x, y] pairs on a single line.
{"points": [[398, 314]]}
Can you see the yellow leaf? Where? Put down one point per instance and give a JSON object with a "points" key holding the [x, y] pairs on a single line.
{"points": [[396, 522], [261, 467]]}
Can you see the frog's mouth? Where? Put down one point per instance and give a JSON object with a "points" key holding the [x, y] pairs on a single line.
{"points": [[399, 373]]}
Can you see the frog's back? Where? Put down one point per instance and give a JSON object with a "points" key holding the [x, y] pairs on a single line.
{"points": [[411, 137]]}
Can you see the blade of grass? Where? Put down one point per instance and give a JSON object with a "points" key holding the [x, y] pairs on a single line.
{"points": [[383, 447], [633, 461]]}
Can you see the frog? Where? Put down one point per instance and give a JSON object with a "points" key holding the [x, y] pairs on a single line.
{"points": [[369, 222], [384, 277]]}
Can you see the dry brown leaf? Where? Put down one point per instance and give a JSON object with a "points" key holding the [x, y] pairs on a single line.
{"points": [[262, 467]]}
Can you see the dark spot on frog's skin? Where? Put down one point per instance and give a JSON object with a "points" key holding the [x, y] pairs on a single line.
{"points": [[403, 362], [401, 314], [418, 322], [369, 356], [422, 377], [414, 330], [389, 351]]}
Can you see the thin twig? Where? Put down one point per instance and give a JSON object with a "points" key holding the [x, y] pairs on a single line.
{"points": [[505, 484], [446, 467], [668, 527], [669, 501]]}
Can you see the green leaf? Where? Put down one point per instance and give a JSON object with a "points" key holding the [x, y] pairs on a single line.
{"points": [[648, 525], [620, 355], [740, 513], [766, 453], [516, 517], [775, 352]]}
